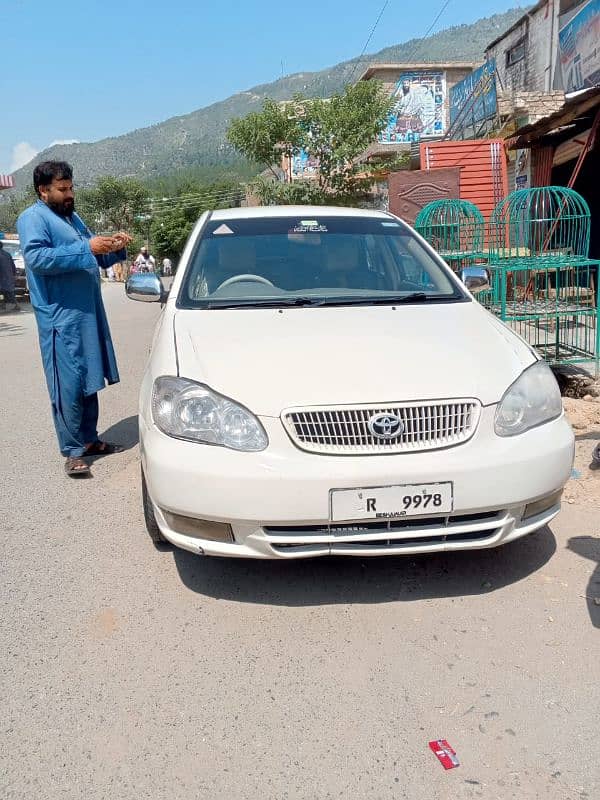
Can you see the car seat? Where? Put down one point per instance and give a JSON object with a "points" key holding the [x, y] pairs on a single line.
{"points": [[346, 266]]}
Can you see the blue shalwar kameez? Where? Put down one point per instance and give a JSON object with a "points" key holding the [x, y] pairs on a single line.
{"points": [[64, 287]]}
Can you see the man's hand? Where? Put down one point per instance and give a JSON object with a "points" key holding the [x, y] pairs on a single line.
{"points": [[101, 245], [122, 239]]}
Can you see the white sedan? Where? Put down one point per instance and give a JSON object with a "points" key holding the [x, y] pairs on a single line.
{"points": [[321, 383]]}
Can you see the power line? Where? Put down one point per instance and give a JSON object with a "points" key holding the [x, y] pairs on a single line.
{"points": [[370, 36], [429, 29]]}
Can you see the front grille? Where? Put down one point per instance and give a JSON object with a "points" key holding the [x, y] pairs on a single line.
{"points": [[429, 532], [346, 430]]}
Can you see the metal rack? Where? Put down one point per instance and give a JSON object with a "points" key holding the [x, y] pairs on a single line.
{"points": [[543, 283]]}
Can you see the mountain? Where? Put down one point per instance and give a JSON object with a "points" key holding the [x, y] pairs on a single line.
{"points": [[197, 140]]}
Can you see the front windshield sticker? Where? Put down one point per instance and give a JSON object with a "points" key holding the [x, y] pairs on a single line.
{"points": [[222, 229], [309, 226]]}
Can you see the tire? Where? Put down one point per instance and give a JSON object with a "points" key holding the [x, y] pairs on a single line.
{"points": [[151, 525]]}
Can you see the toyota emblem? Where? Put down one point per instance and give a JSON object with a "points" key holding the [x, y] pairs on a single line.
{"points": [[385, 426]]}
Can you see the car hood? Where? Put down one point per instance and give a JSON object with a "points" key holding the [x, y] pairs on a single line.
{"points": [[272, 359]]}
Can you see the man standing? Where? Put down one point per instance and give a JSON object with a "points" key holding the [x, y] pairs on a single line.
{"points": [[167, 266], [8, 271], [62, 259], [145, 261]]}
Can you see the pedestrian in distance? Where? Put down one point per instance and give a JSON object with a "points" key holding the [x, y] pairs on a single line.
{"points": [[62, 258], [167, 266], [145, 262], [8, 270]]}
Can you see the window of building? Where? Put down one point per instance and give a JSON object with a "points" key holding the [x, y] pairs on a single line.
{"points": [[516, 52]]}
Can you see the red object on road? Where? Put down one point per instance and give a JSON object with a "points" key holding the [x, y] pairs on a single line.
{"points": [[445, 754]]}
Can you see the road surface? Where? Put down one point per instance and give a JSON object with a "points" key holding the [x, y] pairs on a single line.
{"points": [[132, 673]]}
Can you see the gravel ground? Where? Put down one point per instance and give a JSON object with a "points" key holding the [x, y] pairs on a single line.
{"points": [[126, 672]]}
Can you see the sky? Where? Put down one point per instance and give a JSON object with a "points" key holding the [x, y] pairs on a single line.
{"points": [[82, 70]]}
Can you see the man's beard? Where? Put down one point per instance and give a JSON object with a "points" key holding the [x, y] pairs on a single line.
{"points": [[64, 209]]}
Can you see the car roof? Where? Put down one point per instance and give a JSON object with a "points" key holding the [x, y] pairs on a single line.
{"points": [[260, 212]]}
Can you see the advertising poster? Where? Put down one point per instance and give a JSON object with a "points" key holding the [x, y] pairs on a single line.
{"points": [[579, 44], [304, 166], [418, 110], [474, 98]]}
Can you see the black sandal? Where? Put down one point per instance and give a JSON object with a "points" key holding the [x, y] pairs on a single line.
{"points": [[76, 467], [100, 448]]}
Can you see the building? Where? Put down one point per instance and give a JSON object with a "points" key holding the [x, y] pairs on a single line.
{"points": [[551, 50]]}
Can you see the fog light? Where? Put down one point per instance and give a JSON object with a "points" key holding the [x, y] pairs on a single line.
{"points": [[546, 503], [199, 528]]}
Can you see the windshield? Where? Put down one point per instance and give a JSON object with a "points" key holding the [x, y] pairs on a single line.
{"points": [[279, 261]]}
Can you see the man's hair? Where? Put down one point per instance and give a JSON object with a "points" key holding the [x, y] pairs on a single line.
{"points": [[47, 171]]}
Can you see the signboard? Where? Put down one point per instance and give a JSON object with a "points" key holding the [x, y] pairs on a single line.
{"points": [[579, 45], [418, 111], [304, 166], [523, 169], [474, 98]]}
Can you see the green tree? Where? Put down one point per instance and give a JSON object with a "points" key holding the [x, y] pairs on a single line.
{"points": [[12, 207], [335, 132], [113, 204], [173, 218]]}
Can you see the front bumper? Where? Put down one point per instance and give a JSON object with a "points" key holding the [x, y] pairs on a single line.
{"points": [[277, 501], [21, 288]]}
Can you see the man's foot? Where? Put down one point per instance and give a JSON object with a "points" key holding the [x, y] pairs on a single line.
{"points": [[75, 467], [100, 448], [16, 307]]}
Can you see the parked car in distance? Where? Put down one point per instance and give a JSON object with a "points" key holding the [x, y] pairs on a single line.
{"points": [[13, 248], [321, 383]]}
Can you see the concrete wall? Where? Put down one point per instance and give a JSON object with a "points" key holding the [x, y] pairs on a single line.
{"points": [[535, 72], [529, 106]]}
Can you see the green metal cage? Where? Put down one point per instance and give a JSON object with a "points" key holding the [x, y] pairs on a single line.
{"points": [[549, 222], [455, 228], [542, 282]]}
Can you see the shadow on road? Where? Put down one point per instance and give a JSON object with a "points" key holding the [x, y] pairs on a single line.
{"points": [[365, 580], [589, 547], [125, 433], [8, 329]]}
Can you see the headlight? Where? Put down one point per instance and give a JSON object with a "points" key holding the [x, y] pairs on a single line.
{"points": [[188, 410], [534, 398]]}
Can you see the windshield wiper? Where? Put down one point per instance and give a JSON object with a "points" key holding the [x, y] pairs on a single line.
{"points": [[388, 300], [284, 302]]}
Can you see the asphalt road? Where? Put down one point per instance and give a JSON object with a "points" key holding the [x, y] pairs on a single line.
{"points": [[126, 672]]}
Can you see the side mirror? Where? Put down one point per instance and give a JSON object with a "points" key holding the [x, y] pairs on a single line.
{"points": [[145, 287], [476, 279]]}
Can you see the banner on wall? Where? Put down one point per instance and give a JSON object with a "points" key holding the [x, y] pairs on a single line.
{"points": [[579, 45], [418, 111], [474, 99], [304, 166]]}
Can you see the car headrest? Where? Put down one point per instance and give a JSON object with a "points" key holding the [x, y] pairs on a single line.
{"points": [[342, 256]]}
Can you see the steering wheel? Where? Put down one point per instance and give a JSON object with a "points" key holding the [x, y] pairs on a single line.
{"points": [[245, 277]]}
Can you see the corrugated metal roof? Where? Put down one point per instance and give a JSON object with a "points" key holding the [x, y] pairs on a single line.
{"points": [[573, 107]]}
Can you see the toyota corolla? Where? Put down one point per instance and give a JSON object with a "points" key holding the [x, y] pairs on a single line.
{"points": [[321, 383]]}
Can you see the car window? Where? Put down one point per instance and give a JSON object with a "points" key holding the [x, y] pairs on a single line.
{"points": [[12, 248], [321, 260]]}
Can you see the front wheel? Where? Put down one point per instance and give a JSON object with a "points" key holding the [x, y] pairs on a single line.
{"points": [[149, 518]]}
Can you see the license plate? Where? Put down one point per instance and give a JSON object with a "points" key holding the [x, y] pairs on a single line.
{"points": [[390, 502]]}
